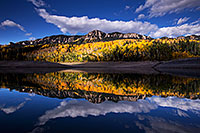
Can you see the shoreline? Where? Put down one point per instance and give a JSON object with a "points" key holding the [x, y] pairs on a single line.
{"points": [[185, 67], [37, 64]]}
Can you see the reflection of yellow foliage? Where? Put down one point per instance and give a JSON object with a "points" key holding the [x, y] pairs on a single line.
{"points": [[128, 86]]}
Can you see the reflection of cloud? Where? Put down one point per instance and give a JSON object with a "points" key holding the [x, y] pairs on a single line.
{"points": [[38, 130], [12, 109], [75, 108], [179, 103], [160, 125], [181, 113], [31, 94]]}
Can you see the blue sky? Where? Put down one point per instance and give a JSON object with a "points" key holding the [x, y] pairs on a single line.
{"points": [[30, 19]]}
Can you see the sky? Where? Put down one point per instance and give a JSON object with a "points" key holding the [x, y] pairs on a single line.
{"points": [[32, 19]]}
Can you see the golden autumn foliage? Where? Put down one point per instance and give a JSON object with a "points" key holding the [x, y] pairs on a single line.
{"points": [[117, 50], [120, 50]]}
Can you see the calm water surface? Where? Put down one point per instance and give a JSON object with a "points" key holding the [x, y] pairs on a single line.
{"points": [[97, 102]]}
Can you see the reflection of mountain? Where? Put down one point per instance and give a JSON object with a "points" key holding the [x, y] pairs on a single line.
{"points": [[97, 87]]}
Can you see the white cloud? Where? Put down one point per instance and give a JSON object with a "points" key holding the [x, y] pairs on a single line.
{"points": [[162, 7], [32, 38], [75, 108], [37, 3], [10, 23], [177, 30], [127, 7], [197, 21], [140, 16], [84, 24], [28, 34], [182, 20]]}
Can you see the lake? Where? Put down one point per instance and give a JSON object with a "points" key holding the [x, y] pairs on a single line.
{"points": [[61, 102]]}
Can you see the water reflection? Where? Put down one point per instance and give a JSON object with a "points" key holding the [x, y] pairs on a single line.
{"points": [[10, 103], [11, 109], [74, 108], [154, 114], [85, 102], [97, 87], [160, 125]]}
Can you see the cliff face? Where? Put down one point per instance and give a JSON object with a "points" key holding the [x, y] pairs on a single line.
{"points": [[97, 35], [92, 36]]}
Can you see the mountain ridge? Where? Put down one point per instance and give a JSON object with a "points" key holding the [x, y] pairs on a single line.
{"points": [[93, 36]]}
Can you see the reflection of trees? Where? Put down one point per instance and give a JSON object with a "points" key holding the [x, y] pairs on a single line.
{"points": [[100, 86]]}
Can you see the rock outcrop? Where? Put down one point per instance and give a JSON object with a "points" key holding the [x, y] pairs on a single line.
{"points": [[92, 36]]}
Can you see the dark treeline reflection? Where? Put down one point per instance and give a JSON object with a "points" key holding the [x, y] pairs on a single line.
{"points": [[98, 87]]}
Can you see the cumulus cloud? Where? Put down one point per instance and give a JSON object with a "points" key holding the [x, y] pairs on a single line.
{"points": [[182, 20], [84, 24], [175, 31], [75, 108], [162, 7], [37, 3], [10, 23], [140, 16]]}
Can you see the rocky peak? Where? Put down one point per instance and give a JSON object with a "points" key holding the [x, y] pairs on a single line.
{"points": [[95, 34]]}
